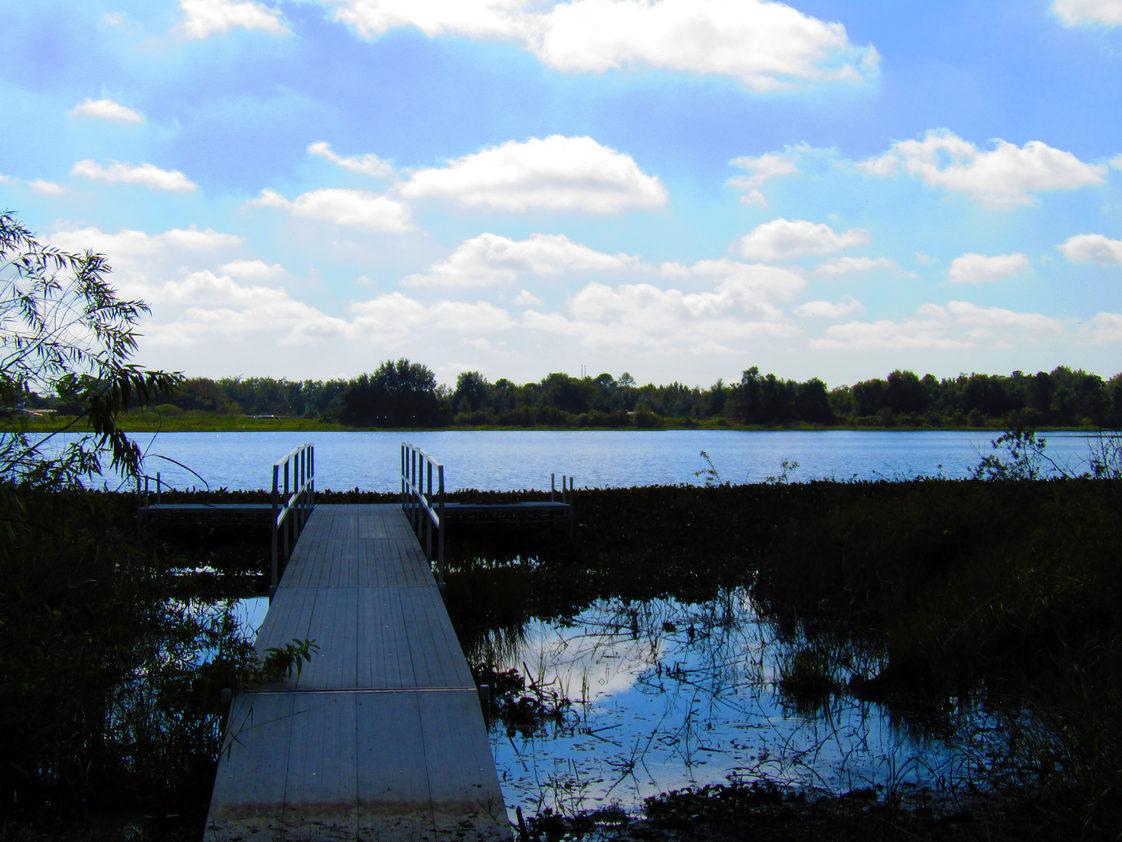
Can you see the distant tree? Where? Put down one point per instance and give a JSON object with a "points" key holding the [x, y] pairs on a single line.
{"points": [[904, 393], [398, 394], [471, 391], [565, 393]]}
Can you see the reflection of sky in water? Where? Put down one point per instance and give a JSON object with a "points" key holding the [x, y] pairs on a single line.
{"points": [[659, 707]]}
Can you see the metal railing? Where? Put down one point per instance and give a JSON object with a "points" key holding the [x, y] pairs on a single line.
{"points": [[294, 497], [566, 488], [422, 500]]}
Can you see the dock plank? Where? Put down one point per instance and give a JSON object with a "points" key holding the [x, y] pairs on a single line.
{"points": [[380, 736]]}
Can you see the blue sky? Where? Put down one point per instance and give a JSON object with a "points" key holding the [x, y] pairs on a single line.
{"points": [[675, 188]]}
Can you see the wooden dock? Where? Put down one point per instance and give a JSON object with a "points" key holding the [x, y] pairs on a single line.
{"points": [[381, 736]]}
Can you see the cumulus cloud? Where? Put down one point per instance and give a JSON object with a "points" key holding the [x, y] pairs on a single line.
{"points": [[644, 318], [830, 309], [490, 260], [203, 306], [525, 298], [144, 175], [130, 246], [1084, 12], [763, 45], [851, 265], [394, 315], [1103, 327], [552, 173], [253, 269], [368, 164], [473, 18], [1092, 248], [203, 18], [788, 239], [106, 109], [46, 188], [758, 171], [1005, 176], [973, 268], [735, 309], [350, 208], [957, 325]]}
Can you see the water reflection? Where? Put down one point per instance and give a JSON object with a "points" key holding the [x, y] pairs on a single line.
{"points": [[667, 694]]}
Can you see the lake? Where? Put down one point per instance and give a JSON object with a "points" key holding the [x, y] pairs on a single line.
{"points": [[524, 459]]}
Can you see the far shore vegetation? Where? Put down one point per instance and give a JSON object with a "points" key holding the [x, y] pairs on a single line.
{"points": [[400, 394]]}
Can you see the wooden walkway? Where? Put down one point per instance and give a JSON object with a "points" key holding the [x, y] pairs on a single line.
{"points": [[381, 736]]}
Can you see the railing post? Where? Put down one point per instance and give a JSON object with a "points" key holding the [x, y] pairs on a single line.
{"points": [[312, 486], [159, 488], [416, 470], [440, 532], [428, 512], [274, 566]]}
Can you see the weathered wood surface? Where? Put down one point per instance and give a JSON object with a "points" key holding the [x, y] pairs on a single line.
{"points": [[381, 735]]}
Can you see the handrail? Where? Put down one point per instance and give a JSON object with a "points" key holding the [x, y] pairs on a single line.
{"points": [[294, 493], [423, 503]]}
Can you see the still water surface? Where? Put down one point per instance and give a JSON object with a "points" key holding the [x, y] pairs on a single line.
{"points": [[669, 694], [506, 460]]}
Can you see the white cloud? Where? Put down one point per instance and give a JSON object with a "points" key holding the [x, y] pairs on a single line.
{"points": [[145, 175], [759, 170], [473, 18], [395, 315], [551, 173], [830, 309], [489, 260], [850, 265], [46, 188], [752, 279], [1003, 177], [106, 109], [253, 269], [1092, 248], [735, 310], [1103, 327], [351, 208], [956, 326], [1083, 12], [763, 45], [665, 322], [114, 19], [129, 246], [525, 298], [368, 164], [788, 239], [973, 268], [202, 18], [1116, 162], [205, 306]]}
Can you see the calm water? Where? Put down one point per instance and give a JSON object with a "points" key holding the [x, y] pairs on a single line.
{"points": [[505, 460], [668, 694]]}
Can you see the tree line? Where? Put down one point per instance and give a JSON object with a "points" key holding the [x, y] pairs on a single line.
{"points": [[401, 393]]}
